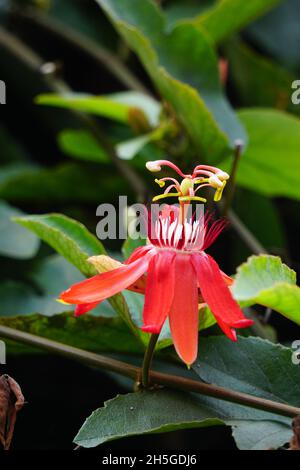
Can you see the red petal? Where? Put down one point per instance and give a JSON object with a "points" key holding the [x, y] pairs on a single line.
{"points": [[227, 330], [228, 280], [159, 291], [139, 285], [216, 294], [184, 315], [107, 284], [83, 308], [137, 253]]}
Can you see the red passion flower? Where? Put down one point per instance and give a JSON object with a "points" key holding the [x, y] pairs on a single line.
{"points": [[174, 272]]}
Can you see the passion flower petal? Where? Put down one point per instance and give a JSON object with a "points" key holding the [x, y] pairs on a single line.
{"points": [[159, 291]]}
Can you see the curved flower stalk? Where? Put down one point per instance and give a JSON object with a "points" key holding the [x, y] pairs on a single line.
{"points": [[173, 271]]}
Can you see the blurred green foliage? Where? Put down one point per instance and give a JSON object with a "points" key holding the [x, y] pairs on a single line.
{"points": [[97, 88]]}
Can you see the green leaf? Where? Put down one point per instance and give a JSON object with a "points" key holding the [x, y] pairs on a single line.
{"points": [[178, 11], [266, 436], [42, 285], [21, 183], [82, 21], [206, 319], [115, 106], [131, 244], [130, 148], [86, 332], [19, 298], [15, 242], [229, 16], [68, 237], [82, 145], [251, 366], [278, 32], [53, 275], [45, 281], [97, 105], [151, 107], [173, 61], [259, 81], [143, 413], [270, 164], [267, 281], [40, 288], [75, 243], [257, 367]]}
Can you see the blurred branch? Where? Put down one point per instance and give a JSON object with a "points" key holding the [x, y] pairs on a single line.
{"points": [[133, 372], [19, 49], [259, 326], [107, 58], [133, 178], [244, 233], [33, 61], [28, 57], [232, 181]]}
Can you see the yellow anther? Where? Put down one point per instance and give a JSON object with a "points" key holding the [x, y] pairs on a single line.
{"points": [[219, 192], [191, 198], [163, 196], [215, 182], [222, 175], [201, 180], [160, 183]]}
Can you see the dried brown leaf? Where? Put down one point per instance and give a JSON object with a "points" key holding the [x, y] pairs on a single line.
{"points": [[11, 401], [295, 441]]}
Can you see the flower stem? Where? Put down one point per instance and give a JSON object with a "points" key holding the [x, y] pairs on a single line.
{"points": [[148, 359], [133, 372]]}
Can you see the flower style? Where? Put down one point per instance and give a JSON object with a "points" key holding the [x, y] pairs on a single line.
{"points": [[181, 276]]}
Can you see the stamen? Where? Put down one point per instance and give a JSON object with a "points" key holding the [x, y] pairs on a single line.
{"points": [[162, 196], [191, 198], [219, 192], [172, 186], [212, 169], [156, 166], [202, 172], [160, 183], [201, 180], [215, 182], [203, 176]]}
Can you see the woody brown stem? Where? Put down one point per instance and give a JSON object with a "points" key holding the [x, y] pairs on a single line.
{"points": [[133, 372]]}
